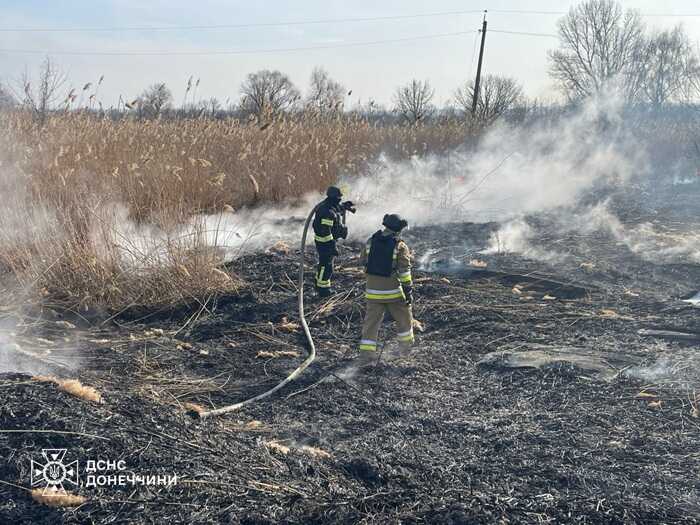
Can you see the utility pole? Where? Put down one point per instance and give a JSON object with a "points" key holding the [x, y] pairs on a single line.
{"points": [[478, 68]]}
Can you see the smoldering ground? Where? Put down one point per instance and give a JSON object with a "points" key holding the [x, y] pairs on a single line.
{"points": [[436, 437], [513, 171]]}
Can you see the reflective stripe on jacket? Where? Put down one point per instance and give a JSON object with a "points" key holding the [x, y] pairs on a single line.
{"points": [[389, 289], [327, 222]]}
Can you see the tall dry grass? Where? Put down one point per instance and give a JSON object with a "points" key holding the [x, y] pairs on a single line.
{"points": [[70, 185]]}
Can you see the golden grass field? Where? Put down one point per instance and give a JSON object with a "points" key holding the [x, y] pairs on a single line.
{"points": [[71, 182]]}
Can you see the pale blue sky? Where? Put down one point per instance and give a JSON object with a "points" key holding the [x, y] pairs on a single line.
{"points": [[370, 71]]}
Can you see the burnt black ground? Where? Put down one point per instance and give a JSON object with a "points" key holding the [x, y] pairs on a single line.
{"points": [[431, 438]]}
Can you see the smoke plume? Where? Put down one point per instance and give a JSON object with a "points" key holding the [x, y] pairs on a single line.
{"points": [[513, 171]]}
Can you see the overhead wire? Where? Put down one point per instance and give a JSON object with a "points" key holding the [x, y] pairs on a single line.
{"points": [[293, 23], [205, 27], [522, 33], [236, 51], [236, 26], [560, 13]]}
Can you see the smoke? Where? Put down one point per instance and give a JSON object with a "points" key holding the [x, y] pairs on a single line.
{"points": [[645, 239], [684, 180], [13, 228], [25, 224], [694, 300], [32, 355], [512, 172], [679, 368], [231, 233], [650, 242], [517, 236], [10, 358]]}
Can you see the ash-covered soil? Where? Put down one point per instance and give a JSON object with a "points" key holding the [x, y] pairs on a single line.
{"points": [[433, 437]]}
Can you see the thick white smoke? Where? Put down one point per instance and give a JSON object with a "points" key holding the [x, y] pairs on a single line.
{"points": [[15, 221], [513, 171], [648, 241], [23, 227]]}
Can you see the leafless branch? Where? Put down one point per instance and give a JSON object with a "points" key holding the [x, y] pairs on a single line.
{"points": [[414, 100]]}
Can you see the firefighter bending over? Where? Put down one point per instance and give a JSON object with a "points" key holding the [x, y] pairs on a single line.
{"points": [[329, 225], [387, 261]]}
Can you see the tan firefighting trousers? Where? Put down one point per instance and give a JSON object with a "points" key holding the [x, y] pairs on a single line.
{"points": [[399, 311]]}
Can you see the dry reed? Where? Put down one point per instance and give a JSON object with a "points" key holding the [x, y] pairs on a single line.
{"points": [[78, 188], [72, 387], [59, 499]]}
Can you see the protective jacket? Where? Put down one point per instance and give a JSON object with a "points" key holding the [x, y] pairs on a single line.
{"points": [[328, 223], [328, 226], [387, 262]]}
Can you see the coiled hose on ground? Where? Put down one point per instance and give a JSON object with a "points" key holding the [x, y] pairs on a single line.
{"points": [[312, 347]]}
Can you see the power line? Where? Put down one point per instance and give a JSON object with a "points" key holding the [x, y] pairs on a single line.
{"points": [[306, 22], [524, 33], [269, 50], [669, 15], [526, 12], [238, 26], [232, 52], [560, 13]]}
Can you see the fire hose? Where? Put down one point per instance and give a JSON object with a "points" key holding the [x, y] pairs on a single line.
{"points": [[312, 347]]}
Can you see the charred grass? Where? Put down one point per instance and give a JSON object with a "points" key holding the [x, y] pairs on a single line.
{"points": [[429, 438]]}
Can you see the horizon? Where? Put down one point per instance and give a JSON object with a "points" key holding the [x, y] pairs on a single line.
{"points": [[372, 58]]}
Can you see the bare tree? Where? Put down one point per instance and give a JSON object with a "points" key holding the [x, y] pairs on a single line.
{"points": [[6, 98], [214, 106], [43, 96], [497, 95], [598, 43], [669, 68], [413, 101], [325, 94], [154, 100], [268, 92]]}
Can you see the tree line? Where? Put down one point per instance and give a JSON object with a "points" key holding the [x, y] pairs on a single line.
{"points": [[603, 49]]}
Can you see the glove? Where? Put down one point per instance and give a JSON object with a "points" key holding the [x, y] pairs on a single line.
{"points": [[349, 206], [343, 232], [408, 293]]}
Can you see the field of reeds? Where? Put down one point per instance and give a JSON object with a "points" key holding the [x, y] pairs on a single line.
{"points": [[77, 187]]}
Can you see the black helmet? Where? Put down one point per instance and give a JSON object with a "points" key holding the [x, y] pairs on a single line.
{"points": [[394, 222], [334, 192]]}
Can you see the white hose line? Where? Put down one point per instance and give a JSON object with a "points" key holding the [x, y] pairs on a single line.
{"points": [[312, 348]]}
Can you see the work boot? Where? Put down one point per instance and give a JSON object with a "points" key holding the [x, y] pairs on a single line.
{"points": [[405, 350], [324, 292], [366, 358]]}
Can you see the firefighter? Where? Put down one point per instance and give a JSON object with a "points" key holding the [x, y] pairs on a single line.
{"points": [[387, 262], [329, 226]]}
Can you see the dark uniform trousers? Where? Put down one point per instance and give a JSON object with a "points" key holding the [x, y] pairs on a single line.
{"points": [[324, 272]]}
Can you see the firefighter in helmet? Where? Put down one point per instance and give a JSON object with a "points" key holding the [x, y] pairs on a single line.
{"points": [[387, 262], [329, 226]]}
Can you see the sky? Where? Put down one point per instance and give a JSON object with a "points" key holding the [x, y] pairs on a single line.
{"points": [[442, 47]]}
